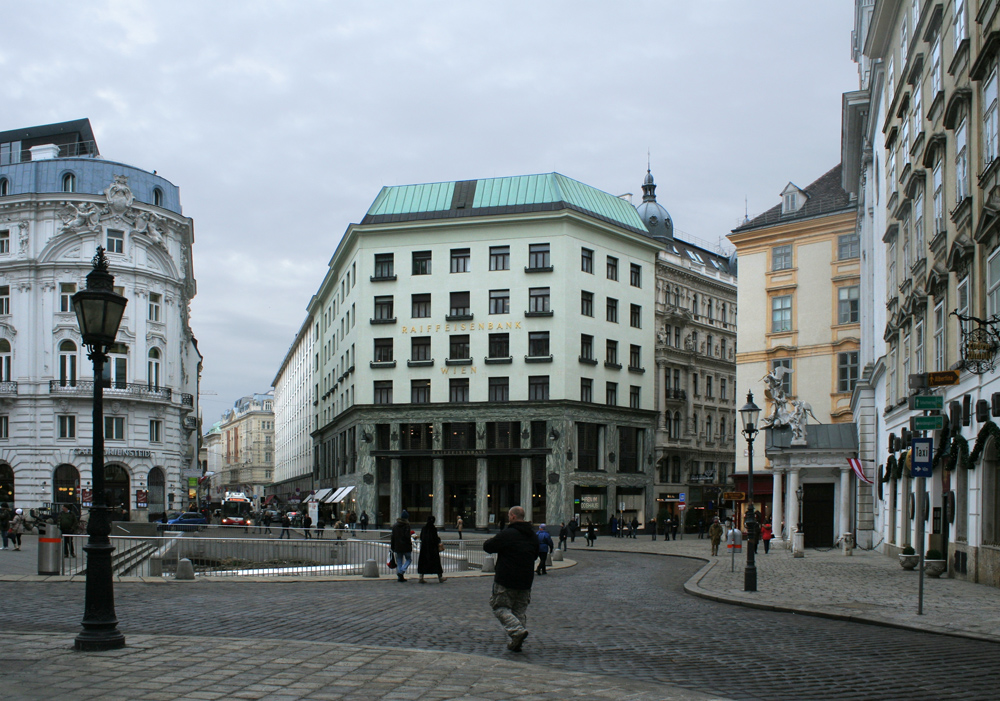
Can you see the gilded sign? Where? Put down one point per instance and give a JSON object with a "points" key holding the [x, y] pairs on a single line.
{"points": [[470, 326]]}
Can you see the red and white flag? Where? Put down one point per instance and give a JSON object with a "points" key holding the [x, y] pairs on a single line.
{"points": [[856, 466]]}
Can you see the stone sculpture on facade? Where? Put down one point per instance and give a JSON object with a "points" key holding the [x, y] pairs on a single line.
{"points": [[781, 413], [800, 417]]}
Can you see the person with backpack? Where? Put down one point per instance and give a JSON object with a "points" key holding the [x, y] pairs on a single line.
{"points": [[545, 546], [68, 522]]}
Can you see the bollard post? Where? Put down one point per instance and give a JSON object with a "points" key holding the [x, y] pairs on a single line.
{"points": [[185, 570], [371, 569], [489, 564], [557, 556], [49, 549]]}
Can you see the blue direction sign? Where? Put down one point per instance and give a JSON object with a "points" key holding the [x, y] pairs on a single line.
{"points": [[923, 456]]}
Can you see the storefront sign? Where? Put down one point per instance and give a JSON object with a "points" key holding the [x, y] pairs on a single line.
{"points": [[592, 502], [141, 498], [118, 452]]}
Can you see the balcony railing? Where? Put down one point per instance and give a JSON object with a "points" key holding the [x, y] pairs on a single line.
{"points": [[8, 388], [74, 150], [678, 394], [117, 389]]}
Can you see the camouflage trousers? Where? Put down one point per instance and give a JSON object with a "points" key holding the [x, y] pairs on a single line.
{"points": [[510, 606]]}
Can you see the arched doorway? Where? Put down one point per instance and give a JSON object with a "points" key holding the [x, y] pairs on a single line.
{"points": [[116, 490], [157, 499], [7, 485], [66, 485]]}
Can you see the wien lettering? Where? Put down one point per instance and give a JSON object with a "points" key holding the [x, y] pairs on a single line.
{"points": [[451, 328], [461, 370]]}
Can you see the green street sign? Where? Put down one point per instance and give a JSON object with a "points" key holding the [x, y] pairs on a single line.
{"points": [[926, 402], [926, 423]]}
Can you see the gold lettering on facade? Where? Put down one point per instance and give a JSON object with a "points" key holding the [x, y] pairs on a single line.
{"points": [[480, 326], [463, 327], [437, 327], [463, 370], [404, 329], [517, 324]]}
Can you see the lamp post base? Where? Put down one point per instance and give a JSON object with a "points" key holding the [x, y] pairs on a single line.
{"points": [[97, 641], [750, 578]]}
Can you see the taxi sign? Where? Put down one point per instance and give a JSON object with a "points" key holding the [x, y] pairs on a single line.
{"points": [[922, 460]]}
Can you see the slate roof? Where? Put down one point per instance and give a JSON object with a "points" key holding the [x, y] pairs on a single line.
{"points": [[495, 196], [825, 196], [832, 437]]}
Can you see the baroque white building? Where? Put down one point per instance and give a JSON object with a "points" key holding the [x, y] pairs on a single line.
{"points": [[60, 200]]}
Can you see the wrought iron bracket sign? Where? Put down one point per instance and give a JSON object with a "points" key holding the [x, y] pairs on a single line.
{"points": [[979, 343]]}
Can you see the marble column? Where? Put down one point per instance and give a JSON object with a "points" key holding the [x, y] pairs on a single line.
{"points": [[793, 511], [777, 506], [439, 499], [845, 501], [482, 506], [395, 490], [526, 490]]}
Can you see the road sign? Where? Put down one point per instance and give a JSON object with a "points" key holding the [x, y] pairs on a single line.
{"points": [[922, 457], [733, 496], [927, 423], [683, 495], [926, 402], [917, 380], [682, 506], [943, 377]]}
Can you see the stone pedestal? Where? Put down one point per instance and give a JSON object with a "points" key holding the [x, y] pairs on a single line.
{"points": [[557, 556], [185, 570], [798, 544], [370, 570], [489, 564]]}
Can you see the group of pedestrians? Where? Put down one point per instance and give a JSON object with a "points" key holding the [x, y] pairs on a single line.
{"points": [[11, 527], [431, 546], [716, 532]]}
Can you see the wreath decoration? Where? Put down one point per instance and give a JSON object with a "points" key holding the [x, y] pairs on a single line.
{"points": [[890, 469], [989, 430], [943, 451]]}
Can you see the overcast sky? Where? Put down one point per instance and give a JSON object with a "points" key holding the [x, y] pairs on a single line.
{"points": [[280, 121]]}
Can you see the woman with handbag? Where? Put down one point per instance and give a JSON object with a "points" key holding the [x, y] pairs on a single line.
{"points": [[429, 561], [16, 528]]}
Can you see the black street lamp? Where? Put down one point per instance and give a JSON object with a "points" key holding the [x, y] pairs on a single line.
{"points": [[99, 311], [749, 415], [798, 495]]}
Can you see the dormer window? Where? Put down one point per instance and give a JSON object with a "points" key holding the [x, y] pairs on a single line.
{"points": [[69, 183], [157, 197], [792, 199]]}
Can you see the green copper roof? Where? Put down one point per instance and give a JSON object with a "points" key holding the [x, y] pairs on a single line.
{"points": [[492, 196]]}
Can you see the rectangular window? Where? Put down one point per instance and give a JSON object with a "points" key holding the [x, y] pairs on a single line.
{"points": [[587, 303], [4, 427], [538, 299], [611, 353], [635, 316], [499, 389], [848, 246], [384, 308], [938, 181], [634, 357], [499, 301], [939, 335], [384, 266], [382, 392], [722, 389], [4, 241], [961, 162], [781, 313], [694, 384], [587, 260], [420, 391], [458, 390], [634, 397], [459, 347], [420, 348], [786, 378], [66, 292], [155, 431], [635, 275], [963, 306], [990, 118], [114, 428], [918, 224], [460, 260], [781, 257], [538, 256], [586, 347], [959, 20], [586, 389], [67, 427], [4, 300], [612, 310], [421, 306], [421, 262], [116, 241], [708, 387], [918, 346], [383, 350], [538, 344], [611, 394], [155, 300], [499, 345], [612, 268], [993, 284], [937, 76], [849, 305], [538, 387], [499, 257], [460, 305], [847, 371]]}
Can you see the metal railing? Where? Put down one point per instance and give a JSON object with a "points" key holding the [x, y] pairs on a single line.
{"points": [[74, 150], [8, 387], [117, 389], [217, 552]]}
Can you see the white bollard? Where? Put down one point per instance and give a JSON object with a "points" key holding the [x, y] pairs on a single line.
{"points": [[185, 570], [557, 556], [489, 564], [371, 569]]}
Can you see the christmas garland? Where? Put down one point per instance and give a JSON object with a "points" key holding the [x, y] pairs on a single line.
{"points": [[959, 454], [890, 468], [943, 451], [989, 430]]}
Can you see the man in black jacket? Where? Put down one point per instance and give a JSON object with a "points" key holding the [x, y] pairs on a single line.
{"points": [[401, 545], [516, 547]]}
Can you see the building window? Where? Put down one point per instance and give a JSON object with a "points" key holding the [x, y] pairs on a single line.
{"points": [[538, 387], [421, 262], [4, 300], [709, 392], [586, 347], [421, 306], [990, 118], [114, 428], [384, 266], [586, 389], [634, 397], [611, 353], [694, 384], [4, 187], [959, 20], [69, 183], [67, 362], [499, 301], [612, 310], [961, 161], [848, 246], [420, 348], [587, 260], [918, 345], [499, 257], [459, 347], [848, 305], [612, 268], [4, 427], [499, 345], [458, 390], [460, 260], [723, 389], [155, 431], [67, 427], [611, 394], [676, 434], [939, 331], [420, 391], [781, 313], [155, 300], [963, 306], [383, 350], [382, 392], [781, 257], [538, 256], [460, 305], [153, 369], [587, 303], [538, 344], [4, 240], [538, 299], [918, 223], [786, 378], [384, 308], [847, 371], [499, 389], [635, 275], [157, 197], [66, 292], [634, 357], [938, 182], [635, 316], [116, 241]]}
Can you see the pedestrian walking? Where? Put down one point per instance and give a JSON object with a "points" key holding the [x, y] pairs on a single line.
{"points": [[572, 530], [591, 534], [517, 548], [652, 527], [352, 521], [401, 544], [5, 518], [363, 520], [635, 526], [459, 525], [285, 523], [320, 527], [766, 533], [16, 528], [715, 535], [675, 524], [67, 524], [563, 534], [613, 526], [307, 523], [429, 560], [266, 518], [545, 546], [701, 528]]}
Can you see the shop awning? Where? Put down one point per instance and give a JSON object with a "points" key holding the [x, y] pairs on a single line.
{"points": [[339, 495], [320, 495], [762, 484]]}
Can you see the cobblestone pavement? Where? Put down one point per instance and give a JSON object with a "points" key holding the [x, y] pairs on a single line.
{"points": [[622, 617]]}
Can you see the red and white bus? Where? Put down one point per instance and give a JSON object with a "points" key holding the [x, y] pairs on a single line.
{"points": [[236, 509]]}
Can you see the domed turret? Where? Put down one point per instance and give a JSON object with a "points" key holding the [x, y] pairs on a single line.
{"points": [[654, 215]]}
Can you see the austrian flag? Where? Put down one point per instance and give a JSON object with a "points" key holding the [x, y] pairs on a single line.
{"points": [[856, 466]]}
